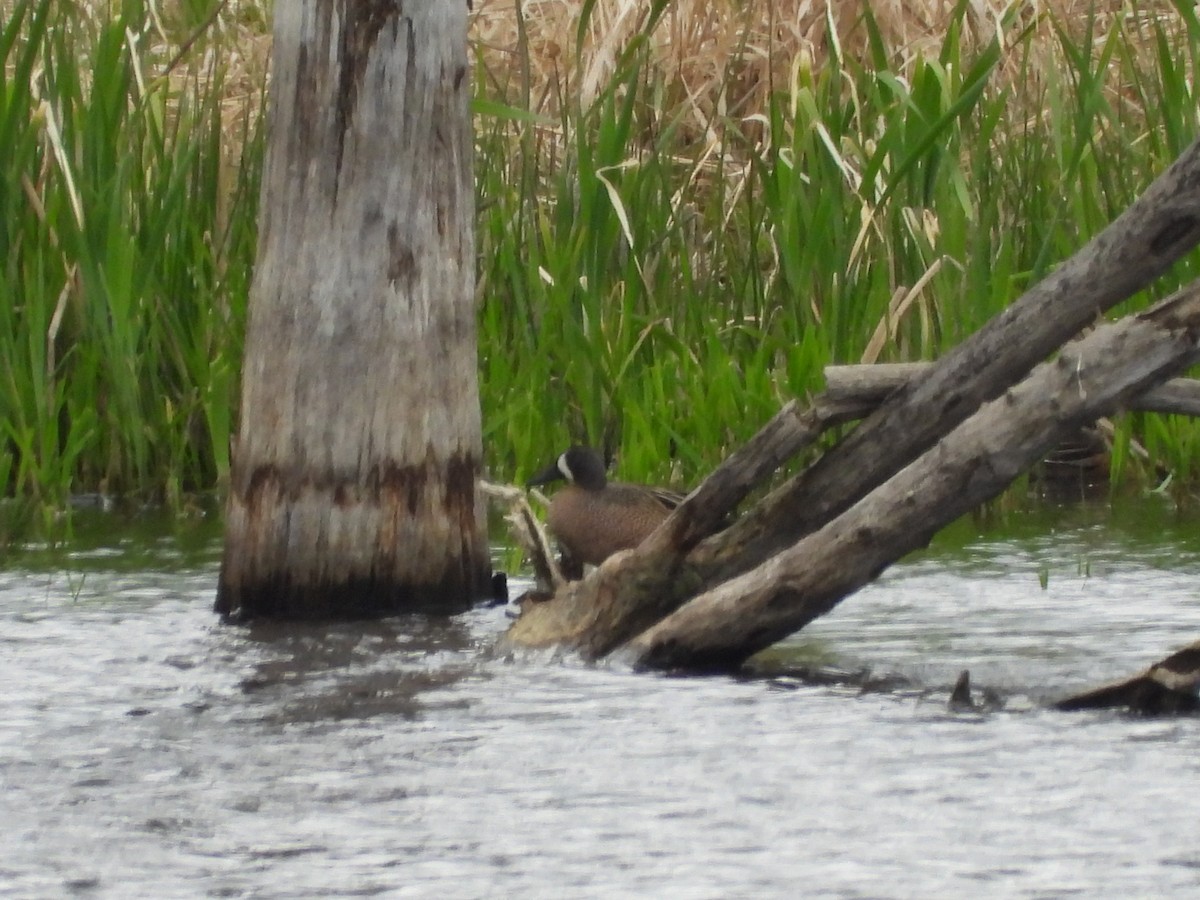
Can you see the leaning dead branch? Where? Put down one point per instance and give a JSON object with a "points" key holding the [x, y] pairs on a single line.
{"points": [[1155, 231], [870, 385], [528, 533], [701, 595], [1092, 377]]}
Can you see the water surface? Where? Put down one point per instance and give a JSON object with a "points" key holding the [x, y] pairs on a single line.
{"points": [[148, 751]]}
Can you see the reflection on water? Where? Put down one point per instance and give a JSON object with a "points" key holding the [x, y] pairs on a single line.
{"points": [[146, 750], [310, 673]]}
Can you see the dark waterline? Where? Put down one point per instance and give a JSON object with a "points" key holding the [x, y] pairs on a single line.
{"points": [[146, 750]]}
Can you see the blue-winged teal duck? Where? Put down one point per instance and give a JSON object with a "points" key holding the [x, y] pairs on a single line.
{"points": [[592, 517]]}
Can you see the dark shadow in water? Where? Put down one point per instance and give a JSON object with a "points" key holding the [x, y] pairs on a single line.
{"points": [[332, 671]]}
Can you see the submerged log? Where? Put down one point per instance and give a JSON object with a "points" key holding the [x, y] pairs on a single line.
{"points": [[1169, 687], [353, 490]]}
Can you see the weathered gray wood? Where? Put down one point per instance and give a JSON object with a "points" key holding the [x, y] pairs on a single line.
{"points": [[1092, 377], [528, 534], [1179, 396], [354, 479], [1160, 226], [788, 432], [870, 385]]}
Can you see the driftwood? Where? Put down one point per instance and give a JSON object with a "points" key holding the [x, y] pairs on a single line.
{"points": [[870, 385], [700, 595], [977, 460], [1157, 229], [528, 532]]}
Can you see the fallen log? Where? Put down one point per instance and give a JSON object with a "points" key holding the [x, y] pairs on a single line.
{"points": [[1137, 247], [869, 385], [700, 595], [1082, 456], [718, 629], [1092, 377]]}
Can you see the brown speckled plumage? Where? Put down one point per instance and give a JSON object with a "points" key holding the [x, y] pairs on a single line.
{"points": [[592, 517]]}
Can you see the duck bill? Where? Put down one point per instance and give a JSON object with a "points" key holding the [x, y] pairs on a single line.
{"points": [[546, 476]]}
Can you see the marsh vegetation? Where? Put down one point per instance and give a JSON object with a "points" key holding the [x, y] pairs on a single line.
{"points": [[685, 210]]}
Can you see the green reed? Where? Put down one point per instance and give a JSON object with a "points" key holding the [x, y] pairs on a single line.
{"points": [[639, 288], [127, 233], [637, 295]]}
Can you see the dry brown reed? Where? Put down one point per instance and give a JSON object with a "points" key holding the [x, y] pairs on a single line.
{"points": [[716, 61], [722, 57]]}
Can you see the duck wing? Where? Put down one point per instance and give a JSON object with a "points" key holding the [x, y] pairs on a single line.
{"points": [[669, 499]]}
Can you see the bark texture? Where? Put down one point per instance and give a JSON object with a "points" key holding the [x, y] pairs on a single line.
{"points": [[354, 485], [870, 385], [1095, 376]]}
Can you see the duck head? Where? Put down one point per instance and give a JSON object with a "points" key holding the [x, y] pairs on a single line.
{"points": [[578, 465]]}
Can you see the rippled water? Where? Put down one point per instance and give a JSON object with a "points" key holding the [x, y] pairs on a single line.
{"points": [[147, 751]]}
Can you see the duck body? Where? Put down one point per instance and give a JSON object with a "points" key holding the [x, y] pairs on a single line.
{"points": [[592, 517]]}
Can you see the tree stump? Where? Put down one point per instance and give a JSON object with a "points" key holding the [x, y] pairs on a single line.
{"points": [[354, 481]]}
